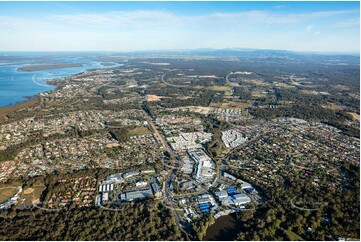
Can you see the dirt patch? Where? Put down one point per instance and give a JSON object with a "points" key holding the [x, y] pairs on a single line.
{"points": [[183, 98], [341, 88], [28, 191], [355, 116], [232, 105], [333, 106], [154, 98], [195, 109]]}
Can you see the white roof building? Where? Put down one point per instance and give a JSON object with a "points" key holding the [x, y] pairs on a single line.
{"points": [[239, 199], [105, 196], [222, 194]]}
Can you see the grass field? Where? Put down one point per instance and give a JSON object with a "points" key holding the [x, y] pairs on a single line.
{"points": [[293, 236], [220, 88], [256, 82], [258, 93], [32, 193], [6, 193], [4, 111], [139, 131], [232, 105], [307, 92], [284, 85]]}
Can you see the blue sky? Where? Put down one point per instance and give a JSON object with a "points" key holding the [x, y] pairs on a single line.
{"points": [[127, 26]]}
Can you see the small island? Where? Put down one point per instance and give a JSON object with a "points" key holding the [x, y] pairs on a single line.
{"points": [[48, 67], [108, 64]]}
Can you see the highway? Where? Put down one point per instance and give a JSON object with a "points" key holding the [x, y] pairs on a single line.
{"points": [[167, 194], [172, 85], [231, 83]]}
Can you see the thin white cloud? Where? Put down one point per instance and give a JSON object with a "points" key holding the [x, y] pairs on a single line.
{"points": [[348, 23], [126, 19], [137, 30], [309, 27], [141, 19], [7, 22]]}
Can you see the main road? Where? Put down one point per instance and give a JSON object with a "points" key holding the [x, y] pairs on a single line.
{"points": [[232, 84], [171, 172]]}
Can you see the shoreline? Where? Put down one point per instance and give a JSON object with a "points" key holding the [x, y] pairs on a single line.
{"points": [[32, 100], [50, 82], [223, 228], [30, 97]]}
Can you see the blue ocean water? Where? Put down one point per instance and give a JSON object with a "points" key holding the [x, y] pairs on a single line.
{"points": [[17, 86]]}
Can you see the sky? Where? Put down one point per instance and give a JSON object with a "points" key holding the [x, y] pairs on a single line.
{"points": [[130, 26]]}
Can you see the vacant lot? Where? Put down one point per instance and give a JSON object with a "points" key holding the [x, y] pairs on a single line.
{"points": [[333, 106], [256, 82], [220, 88], [152, 98], [194, 109], [22, 105], [232, 105], [355, 116], [139, 131], [6, 193], [283, 85], [31, 195]]}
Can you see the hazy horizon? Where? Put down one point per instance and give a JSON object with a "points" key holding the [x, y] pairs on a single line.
{"points": [[184, 50], [156, 26]]}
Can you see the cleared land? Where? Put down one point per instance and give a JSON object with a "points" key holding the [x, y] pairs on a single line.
{"points": [[220, 88], [256, 82], [153, 98], [333, 106], [31, 195], [28, 191], [139, 131], [293, 236], [341, 88], [232, 105], [355, 115], [282, 84], [194, 109], [6, 193], [22, 105]]}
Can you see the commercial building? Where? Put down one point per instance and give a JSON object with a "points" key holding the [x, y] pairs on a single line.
{"points": [[141, 184], [204, 166], [114, 178], [229, 176], [106, 187], [221, 194], [231, 197], [155, 189], [130, 174], [134, 195], [240, 199], [105, 196]]}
